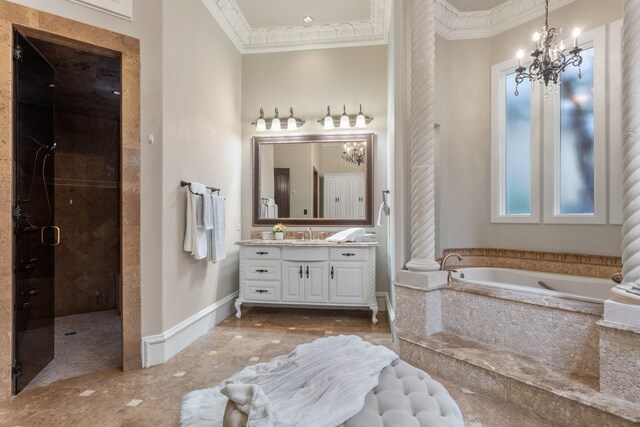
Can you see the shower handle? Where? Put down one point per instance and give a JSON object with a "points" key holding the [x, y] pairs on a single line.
{"points": [[56, 229]]}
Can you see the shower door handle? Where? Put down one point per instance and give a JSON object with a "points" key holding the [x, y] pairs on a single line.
{"points": [[56, 231]]}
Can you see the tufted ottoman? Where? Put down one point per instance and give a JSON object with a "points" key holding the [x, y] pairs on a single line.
{"points": [[404, 397]]}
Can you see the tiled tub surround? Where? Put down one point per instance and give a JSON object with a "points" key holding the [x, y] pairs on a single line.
{"points": [[601, 266], [523, 348], [620, 360]]}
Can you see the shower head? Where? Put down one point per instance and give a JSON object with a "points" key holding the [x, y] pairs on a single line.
{"points": [[50, 149]]}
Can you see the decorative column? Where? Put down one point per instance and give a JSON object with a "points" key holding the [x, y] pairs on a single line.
{"points": [[422, 123], [626, 293]]}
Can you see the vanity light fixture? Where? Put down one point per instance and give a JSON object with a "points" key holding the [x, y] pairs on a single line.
{"points": [[275, 123], [548, 56], [345, 121]]}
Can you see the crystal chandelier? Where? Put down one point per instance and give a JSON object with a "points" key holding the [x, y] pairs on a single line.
{"points": [[548, 57], [354, 152]]}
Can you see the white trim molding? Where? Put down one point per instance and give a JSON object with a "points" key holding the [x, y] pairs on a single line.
{"points": [[596, 39], [287, 38], [616, 165], [120, 8], [453, 24], [158, 349], [499, 74]]}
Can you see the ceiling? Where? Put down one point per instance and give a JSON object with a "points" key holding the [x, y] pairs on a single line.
{"points": [[475, 5], [287, 13], [258, 26]]}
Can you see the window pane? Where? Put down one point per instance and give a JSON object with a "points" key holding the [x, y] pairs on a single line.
{"points": [[576, 139], [518, 148]]}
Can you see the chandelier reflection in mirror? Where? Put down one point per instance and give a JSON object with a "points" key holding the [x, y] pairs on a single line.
{"points": [[355, 152], [548, 57]]}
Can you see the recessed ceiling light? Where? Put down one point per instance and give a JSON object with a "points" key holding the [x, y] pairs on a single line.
{"points": [[116, 92], [308, 19]]}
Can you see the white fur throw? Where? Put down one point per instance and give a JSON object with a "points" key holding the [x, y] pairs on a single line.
{"points": [[322, 383]]}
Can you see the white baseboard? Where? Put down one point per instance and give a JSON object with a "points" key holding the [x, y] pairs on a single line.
{"points": [[158, 349], [384, 304]]}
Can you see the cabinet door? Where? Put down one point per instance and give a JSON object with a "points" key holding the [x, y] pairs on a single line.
{"points": [[330, 197], [349, 283], [358, 196], [345, 198], [316, 288], [292, 281]]}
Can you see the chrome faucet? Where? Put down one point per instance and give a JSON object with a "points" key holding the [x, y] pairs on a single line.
{"points": [[443, 265]]}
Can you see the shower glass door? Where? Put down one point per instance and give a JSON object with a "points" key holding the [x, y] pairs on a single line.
{"points": [[32, 212]]}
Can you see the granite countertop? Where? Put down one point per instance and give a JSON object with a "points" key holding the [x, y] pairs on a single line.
{"points": [[305, 243]]}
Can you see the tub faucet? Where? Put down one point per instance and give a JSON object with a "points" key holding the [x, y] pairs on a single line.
{"points": [[310, 231], [443, 265]]}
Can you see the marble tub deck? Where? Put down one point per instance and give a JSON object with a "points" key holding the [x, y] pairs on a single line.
{"points": [[151, 397]]}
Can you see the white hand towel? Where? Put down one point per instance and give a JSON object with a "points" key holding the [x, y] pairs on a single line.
{"points": [[216, 237], [207, 212], [380, 213], [195, 238]]}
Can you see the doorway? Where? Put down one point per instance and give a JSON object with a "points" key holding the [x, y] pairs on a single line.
{"points": [[282, 190], [316, 192], [66, 218]]}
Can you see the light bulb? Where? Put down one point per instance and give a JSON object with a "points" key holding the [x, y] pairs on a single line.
{"points": [[576, 32], [520, 55], [292, 124], [328, 120], [275, 123], [361, 120], [536, 37], [261, 124], [344, 119]]}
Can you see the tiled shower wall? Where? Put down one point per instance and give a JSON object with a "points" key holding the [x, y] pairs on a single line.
{"points": [[87, 205]]}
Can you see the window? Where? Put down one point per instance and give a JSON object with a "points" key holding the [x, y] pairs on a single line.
{"points": [[568, 124], [575, 140], [515, 148], [615, 122]]}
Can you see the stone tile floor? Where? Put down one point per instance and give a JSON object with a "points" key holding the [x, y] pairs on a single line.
{"points": [[151, 397], [93, 347]]}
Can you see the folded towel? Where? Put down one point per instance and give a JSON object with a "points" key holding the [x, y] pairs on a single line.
{"points": [[195, 237], [216, 234], [207, 212], [366, 238], [347, 235]]}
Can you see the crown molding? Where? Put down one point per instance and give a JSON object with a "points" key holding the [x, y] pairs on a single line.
{"points": [[453, 24], [277, 39]]}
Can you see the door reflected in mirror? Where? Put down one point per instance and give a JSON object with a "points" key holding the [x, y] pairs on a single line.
{"points": [[314, 179]]}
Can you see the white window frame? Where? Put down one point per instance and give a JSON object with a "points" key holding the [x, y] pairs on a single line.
{"points": [[596, 39], [616, 164], [499, 214]]}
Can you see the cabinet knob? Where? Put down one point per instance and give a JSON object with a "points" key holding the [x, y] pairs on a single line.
{"points": [[332, 273], [348, 254], [307, 271], [300, 272], [262, 271], [261, 291], [262, 253]]}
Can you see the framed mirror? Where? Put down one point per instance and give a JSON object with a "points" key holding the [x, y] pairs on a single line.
{"points": [[313, 179]]}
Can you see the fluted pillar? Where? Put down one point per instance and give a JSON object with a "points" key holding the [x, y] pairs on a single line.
{"points": [[422, 134], [631, 155]]}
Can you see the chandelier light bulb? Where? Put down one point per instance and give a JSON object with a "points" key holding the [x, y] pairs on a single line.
{"points": [[576, 34], [520, 55]]}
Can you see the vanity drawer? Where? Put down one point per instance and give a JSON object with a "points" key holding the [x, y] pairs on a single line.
{"points": [[349, 254], [262, 252], [261, 291], [290, 253], [262, 270]]}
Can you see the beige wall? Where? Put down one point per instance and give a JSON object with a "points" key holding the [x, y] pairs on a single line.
{"points": [[308, 81], [201, 127], [463, 109]]}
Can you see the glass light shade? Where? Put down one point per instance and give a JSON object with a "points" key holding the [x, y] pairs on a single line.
{"points": [[344, 122], [361, 122], [328, 122], [292, 124], [275, 124], [261, 125]]}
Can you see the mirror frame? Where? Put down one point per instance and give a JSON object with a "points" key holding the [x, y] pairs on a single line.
{"points": [[368, 138]]}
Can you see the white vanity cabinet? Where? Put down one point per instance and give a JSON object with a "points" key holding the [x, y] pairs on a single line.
{"points": [[296, 273]]}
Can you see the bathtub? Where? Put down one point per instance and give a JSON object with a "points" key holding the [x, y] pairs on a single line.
{"points": [[588, 289]]}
